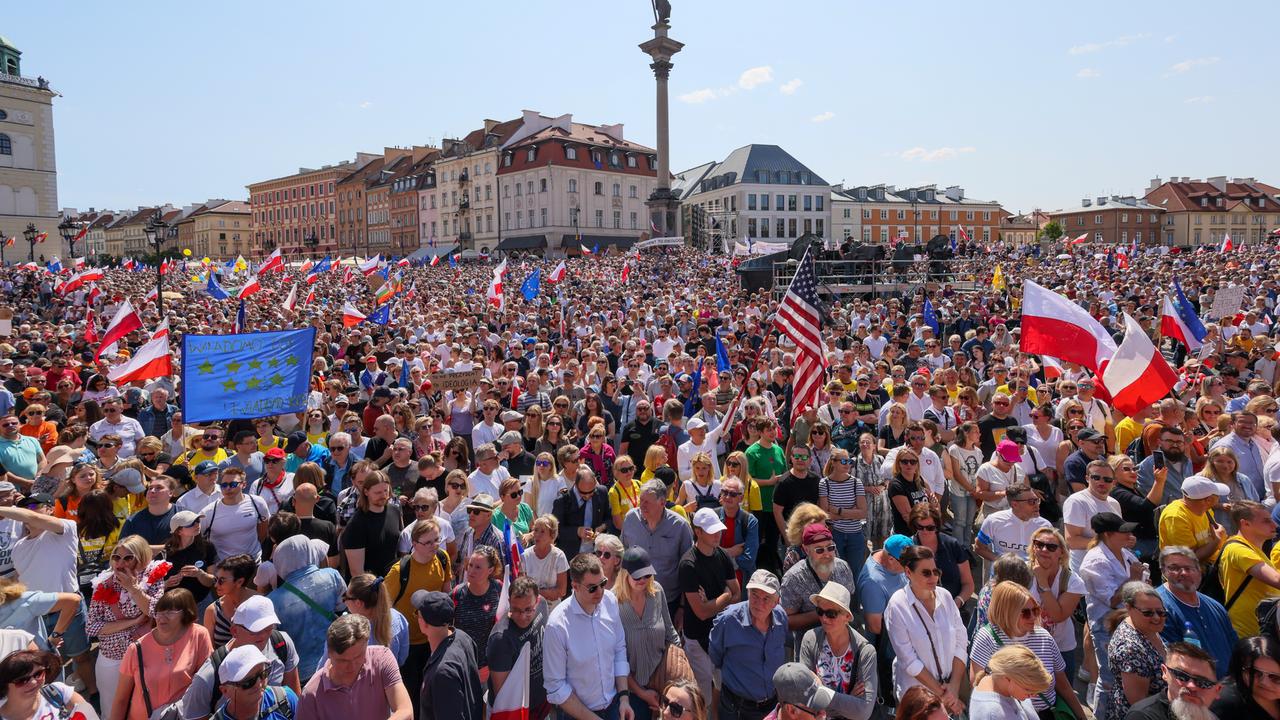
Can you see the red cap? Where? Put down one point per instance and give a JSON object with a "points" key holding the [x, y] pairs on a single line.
{"points": [[275, 453], [815, 533]]}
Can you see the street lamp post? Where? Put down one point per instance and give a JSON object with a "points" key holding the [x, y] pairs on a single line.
{"points": [[156, 230], [30, 236], [3, 242], [68, 230]]}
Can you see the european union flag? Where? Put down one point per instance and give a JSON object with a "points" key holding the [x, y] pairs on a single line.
{"points": [[453, 260], [246, 376], [722, 355], [381, 316], [930, 317], [694, 401], [529, 288], [595, 249], [215, 289], [322, 266]]}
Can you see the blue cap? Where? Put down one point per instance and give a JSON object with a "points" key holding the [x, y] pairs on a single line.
{"points": [[895, 544]]}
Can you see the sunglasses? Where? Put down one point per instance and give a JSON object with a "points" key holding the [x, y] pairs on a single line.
{"points": [[828, 614], [122, 558], [425, 507], [1205, 683], [824, 550], [930, 572], [37, 678], [1101, 478], [1046, 546], [671, 706], [730, 493], [457, 486], [628, 469], [1153, 613], [252, 680], [230, 484], [545, 463], [927, 528], [515, 494], [1030, 612], [604, 554], [475, 511], [1271, 677], [732, 463], [908, 461], [595, 587]]}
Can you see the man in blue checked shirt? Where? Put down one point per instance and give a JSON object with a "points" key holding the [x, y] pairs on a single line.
{"points": [[748, 643]]}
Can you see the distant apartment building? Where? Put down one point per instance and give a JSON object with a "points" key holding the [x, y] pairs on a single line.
{"points": [[879, 214], [1203, 212], [298, 213], [1112, 220]]}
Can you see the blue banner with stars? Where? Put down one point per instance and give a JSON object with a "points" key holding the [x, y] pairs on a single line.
{"points": [[247, 375]]}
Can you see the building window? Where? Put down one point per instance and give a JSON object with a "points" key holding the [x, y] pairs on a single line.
{"points": [[764, 201], [820, 227], [791, 203], [6, 145], [791, 227], [542, 184], [968, 215], [986, 234], [599, 188], [779, 202], [751, 227], [884, 214], [1124, 237], [1124, 217], [570, 152], [986, 216], [751, 201], [780, 225], [866, 214], [1097, 219], [617, 190], [518, 189], [573, 185], [632, 192], [4, 115], [530, 218], [633, 221], [808, 226], [902, 214], [531, 154], [808, 203], [597, 159], [599, 218], [818, 202], [884, 235], [1137, 237], [617, 219], [866, 234]]}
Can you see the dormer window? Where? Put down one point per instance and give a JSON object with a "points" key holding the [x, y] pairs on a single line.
{"points": [[597, 158], [631, 161], [506, 160], [531, 154], [1204, 202], [614, 160], [570, 152]]}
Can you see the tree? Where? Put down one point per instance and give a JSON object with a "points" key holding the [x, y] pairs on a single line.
{"points": [[1052, 230]]}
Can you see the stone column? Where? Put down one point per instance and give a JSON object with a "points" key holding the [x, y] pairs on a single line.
{"points": [[663, 206]]}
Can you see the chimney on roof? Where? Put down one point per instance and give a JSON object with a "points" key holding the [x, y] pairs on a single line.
{"points": [[489, 125], [955, 193], [890, 189], [613, 131], [1102, 200], [1219, 182], [1155, 183], [1086, 203]]}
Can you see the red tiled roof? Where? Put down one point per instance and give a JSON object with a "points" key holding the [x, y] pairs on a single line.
{"points": [[585, 134], [1186, 196]]}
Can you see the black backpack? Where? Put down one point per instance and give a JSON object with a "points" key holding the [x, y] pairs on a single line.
{"points": [[406, 567], [1211, 584], [278, 644]]}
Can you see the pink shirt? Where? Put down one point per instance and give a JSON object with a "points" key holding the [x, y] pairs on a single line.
{"points": [[169, 668], [365, 697]]}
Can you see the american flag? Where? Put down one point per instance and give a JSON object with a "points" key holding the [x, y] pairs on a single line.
{"points": [[800, 319]]}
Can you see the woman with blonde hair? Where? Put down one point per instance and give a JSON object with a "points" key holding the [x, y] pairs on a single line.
{"points": [[609, 551], [512, 508], [702, 489], [654, 458], [1014, 676], [893, 431], [1013, 618], [553, 437], [546, 563], [805, 514], [653, 645], [735, 464], [1057, 589], [368, 596], [83, 479], [682, 700], [546, 484], [1222, 466], [532, 430], [120, 608]]}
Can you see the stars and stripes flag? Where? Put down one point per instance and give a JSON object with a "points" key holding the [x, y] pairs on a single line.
{"points": [[800, 319]]}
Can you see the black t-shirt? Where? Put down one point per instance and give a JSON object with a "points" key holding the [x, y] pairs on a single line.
{"points": [[505, 643], [790, 491], [951, 554], [378, 534], [991, 429], [1155, 707], [639, 437], [201, 552], [318, 529], [1134, 507], [899, 486], [709, 573], [885, 433]]}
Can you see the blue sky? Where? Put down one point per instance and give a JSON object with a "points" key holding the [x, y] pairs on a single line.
{"points": [[1031, 104]]}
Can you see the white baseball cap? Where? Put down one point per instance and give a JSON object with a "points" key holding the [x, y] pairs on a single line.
{"points": [[1199, 488], [241, 661], [255, 614], [707, 521]]}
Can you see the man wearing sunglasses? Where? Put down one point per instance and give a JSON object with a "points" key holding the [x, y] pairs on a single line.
{"points": [[1080, 507], [246, 692], [1192, 687], [1010, 530], [20, 455], [584, 654]]}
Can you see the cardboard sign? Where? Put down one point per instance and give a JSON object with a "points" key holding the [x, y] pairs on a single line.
{"points": [[461, 380], [1227, 301], [6, 322]]}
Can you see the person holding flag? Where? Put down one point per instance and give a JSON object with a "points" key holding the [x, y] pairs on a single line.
{"points": [[515, 656]]}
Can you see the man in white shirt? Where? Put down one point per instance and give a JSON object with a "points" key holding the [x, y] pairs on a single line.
{"points": [[115, 423], [1080, 507], [663, 346], [876, 341], [206, 490], [488, 476], [45, 558], [584, 654], [930, 463], [1010, 530], [487, 430], [699, 441], [918, 399]]}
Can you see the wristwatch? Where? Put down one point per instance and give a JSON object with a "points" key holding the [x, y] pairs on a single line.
{"points": [[625, 693], [55, 634]]}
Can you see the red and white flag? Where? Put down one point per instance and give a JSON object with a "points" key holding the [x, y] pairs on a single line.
{"points": [[347, 277], [1226, 246], [350, 315], [1137, 375], [1052, 368], [963, 235], [496, 297], [512, 701], [250, 288], [94, 293], [558, 273], [162, 329], [291, 302], [275, 261], [91, 274], [125, 322], [626, 273], [403, 262], [435, 260], [151, 295], [90, 327], [150, 361], [77, 263], [501, 270], [311, 297], [370, 266], [1053, 325], [1079, 239]]}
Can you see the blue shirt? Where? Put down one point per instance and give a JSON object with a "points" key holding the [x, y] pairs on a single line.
{"points": [[876, 585], [1177, 472], [1209, 621], [300, 621], [747, 659], [21, 456], [1249, 459], [318, 454]]}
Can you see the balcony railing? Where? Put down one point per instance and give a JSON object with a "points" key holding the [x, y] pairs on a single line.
{"points": [[39, 83]]}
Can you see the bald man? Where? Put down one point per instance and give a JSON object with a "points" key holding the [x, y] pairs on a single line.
{"points": [[305, 497]]}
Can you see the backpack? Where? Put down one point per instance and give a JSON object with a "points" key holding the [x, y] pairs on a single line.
{"points": [[1049, 508], [1211, 584], [1136, 450], [208, 527], [172, 711], [704, 501], [53, 696], [279, 704], [278, 644], [1267, 622], [406, 567]]}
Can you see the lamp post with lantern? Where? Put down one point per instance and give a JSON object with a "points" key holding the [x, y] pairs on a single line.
{"points": [[157, 231]]}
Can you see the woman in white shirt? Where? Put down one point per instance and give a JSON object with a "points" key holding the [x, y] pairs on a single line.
{"points": [[1106, 567], [928, 636], [546, 563]]}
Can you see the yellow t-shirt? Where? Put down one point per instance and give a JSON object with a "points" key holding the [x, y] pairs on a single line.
{"points": [[622, 500], [430, 576], [1031, 393], [274, 441], [195, 457], [1237, 557], [1127, 430], [1180, 526]]}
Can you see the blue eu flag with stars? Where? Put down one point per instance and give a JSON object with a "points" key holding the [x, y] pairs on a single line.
{"points": [[245, 376], [531, 285]]}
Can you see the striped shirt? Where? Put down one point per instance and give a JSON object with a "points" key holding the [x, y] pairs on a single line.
{"points": [[843, 495], [1039, 641]]}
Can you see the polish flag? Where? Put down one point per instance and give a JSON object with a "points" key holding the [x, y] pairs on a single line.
{"points": [[370, 266], [77, 263], [1226, 246], [306, 267], [1052, 368], [1053, 325], [291, 302], [963, 234], [311, 297], [512, 701], [250, 288], [626, 273], [275, 261], [347, 277], [91, 274], [90, 327], [1180, 323], [584, 249], [350, 315], [125, 322], [1079, 239], [435, 260], [496, 296], [151, 295], [83, 231], [162, 330], [1137, 374], [151, 361], [501, 269], [558, 273], [94, 293], [402, 262]]}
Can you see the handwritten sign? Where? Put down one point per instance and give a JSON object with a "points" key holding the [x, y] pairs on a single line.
{"points": [[1227, 301], [460, 380]]}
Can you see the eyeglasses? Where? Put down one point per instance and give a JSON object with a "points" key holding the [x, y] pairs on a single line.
{"points": [[1270, 677], [229, 484], [1000, 402], [1034, 500], [1101, 478], [457, 486], [475, 511], [929, 572], [604, 554], [168, 613], [1200, 682], [427, 542], [927, 528], [425, 507], [545, 463], [908, 461], [824, 550], [335, 448], [1046, 546], [730, 494], [626, 470], [1155, 612], [671, 706], [122, 558], [595, 587], [829, 614], [37, 678], [101, 446], [800, 457], [1031, 612], [273, 460], [252, 680], [515, 494]]}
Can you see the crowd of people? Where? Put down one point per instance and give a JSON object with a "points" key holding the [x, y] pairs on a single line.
{"points": [[630, 516]]}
